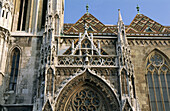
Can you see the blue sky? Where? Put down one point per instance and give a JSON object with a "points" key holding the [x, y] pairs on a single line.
{"points": [[107, 10]]}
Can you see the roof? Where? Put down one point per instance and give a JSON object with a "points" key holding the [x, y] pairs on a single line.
{"points": [[140, 26], [95, 26], [143, 24]]}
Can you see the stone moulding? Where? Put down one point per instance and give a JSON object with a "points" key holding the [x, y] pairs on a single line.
{"points": [[89, 79]]}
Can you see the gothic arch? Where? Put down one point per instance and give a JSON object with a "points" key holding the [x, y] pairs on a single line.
{"points": [[49, 81], [14, 64], [15, 46], [166, 60], [10, 52], [158, 77], [47, 106], [7, 6], [127, 106], [86, 91], [158, 51], [124, 83], [57, 21]]}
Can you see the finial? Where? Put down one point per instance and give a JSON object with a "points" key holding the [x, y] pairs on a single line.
{"points": [[138, 9], [87, 8], [120, 17]]}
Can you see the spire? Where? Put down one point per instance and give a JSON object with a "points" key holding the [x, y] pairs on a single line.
{"points": [[138, 9], [120, 17], [87, 8]]}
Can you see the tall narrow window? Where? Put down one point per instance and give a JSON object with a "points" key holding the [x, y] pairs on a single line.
{"points": [[0, 9], [22, 15], [3, 13], [44, 13], [50, 81], [158, 78], [57, 25], [6, 15], [14, 68], [124, 82]]}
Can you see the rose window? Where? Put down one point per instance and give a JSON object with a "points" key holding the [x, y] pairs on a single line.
{"points": [[86, 100]]}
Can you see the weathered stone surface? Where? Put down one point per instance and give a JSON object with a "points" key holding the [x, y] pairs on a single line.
{"points": [[53, 62]]}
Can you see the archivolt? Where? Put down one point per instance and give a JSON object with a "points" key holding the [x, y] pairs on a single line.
{"points": [[87, 82]]}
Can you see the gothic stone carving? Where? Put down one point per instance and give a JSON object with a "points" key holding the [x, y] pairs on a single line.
{"points": [[76, 94]]}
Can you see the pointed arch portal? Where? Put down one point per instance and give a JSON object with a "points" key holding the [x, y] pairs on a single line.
{"points": [[87, 92]]}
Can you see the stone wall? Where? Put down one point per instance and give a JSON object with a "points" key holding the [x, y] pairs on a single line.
{"points": [[139, 53], [29, 61]]}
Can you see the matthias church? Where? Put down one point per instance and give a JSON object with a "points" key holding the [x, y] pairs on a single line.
{"points": [[49, 65]]}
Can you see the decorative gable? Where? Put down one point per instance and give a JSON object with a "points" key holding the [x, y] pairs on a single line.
{"points": [[85, 45]]}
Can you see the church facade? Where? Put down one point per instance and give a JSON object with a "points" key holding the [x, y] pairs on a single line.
{"points": [[49, 65]]}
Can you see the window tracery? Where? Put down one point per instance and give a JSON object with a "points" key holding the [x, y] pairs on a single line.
{"points": [[158, 77], [15, 57], [86, 44], [86, 100]]}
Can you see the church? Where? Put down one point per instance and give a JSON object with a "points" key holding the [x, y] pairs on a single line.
{"points": [[49, 65]]}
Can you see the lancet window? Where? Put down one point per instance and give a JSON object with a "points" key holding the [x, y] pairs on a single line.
{"points": [[158, 78], [22, 15], [15, 57], [124, 82], [3, 12], [44, 11], [50, 77], [57, 20], [6, 15], [0, 8]]}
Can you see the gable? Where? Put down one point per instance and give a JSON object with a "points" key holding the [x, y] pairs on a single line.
{"points": [[96, 27], [140, 26], [86, 43], [143, 24]]}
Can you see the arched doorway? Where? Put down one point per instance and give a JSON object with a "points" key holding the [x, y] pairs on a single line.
{"points": [[87, 92]]}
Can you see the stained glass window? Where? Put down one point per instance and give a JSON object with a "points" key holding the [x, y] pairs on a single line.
{"points": [[14, 68], [158, 79]]}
